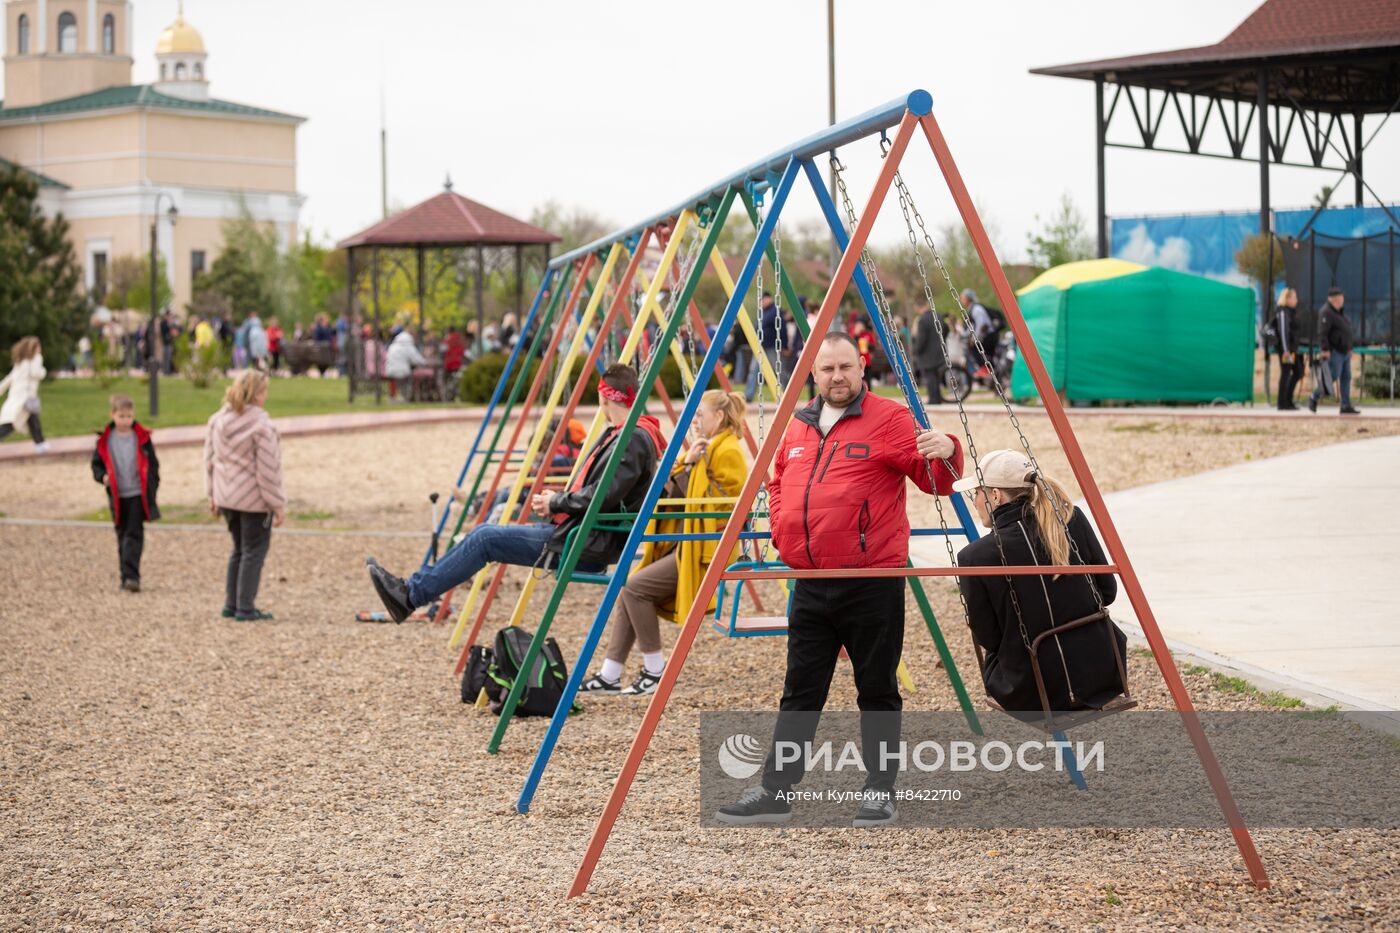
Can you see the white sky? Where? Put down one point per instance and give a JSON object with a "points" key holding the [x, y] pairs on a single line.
{"points": [[627, 106]]}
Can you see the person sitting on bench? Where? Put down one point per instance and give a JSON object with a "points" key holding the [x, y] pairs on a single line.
{"points": [[542, 543], [1079, 667], [670, 572]]}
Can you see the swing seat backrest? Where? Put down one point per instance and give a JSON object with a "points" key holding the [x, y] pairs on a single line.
{"points": [[1095, 707]]}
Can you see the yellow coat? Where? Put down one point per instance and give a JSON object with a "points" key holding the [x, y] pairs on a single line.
{"points": [[720, 473]]}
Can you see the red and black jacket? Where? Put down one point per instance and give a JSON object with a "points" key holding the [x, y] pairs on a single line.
{"points": [[147, 468], [839, 501]]}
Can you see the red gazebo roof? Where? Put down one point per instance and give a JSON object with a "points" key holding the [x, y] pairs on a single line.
{"points": [[448, 219]]}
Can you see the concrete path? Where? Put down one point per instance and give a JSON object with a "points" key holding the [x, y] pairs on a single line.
{"points": [[1286, 569]]}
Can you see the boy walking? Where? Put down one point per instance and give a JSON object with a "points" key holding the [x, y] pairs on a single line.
{"points": [[125, 463]]}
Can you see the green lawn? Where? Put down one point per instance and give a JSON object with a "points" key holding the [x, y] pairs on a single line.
{"points": [[79, 406]]}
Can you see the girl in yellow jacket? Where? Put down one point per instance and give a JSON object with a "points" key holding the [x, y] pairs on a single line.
{"points": [[670, 572]]}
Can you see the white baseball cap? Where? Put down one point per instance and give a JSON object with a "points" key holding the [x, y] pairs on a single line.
{"points": [[1001, 469]]}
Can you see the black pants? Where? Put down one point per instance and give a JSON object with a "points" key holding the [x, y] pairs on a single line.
{"points": [[1289, 375], [131, 536], [866, 617], [252, 534], [36, 430], [933, 382]]}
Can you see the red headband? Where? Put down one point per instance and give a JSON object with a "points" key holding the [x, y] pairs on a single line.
{"points": [[616, 395]]}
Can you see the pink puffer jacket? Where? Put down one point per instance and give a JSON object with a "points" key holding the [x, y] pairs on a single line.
{"points": [[243, 461]]}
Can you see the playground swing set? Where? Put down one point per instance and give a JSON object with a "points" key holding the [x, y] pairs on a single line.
{"points": [[773, 178]]}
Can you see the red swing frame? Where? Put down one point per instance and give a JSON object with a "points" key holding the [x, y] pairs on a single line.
{"points": [[1113, 544]]}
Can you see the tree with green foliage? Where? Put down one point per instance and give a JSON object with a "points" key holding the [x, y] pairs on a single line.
{"points": [[1063, 238], [41, 282], [252, 272], [129, 284], [1252, 258], [576, 226]]}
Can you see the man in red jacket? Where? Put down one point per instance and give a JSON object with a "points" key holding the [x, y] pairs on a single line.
{"points": [[837, 500]]}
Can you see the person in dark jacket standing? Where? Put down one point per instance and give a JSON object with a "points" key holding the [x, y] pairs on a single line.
{"points": [[771, 328], [929, 356], [529, 544], [1290, 369], [1335, 342], [1079, 666], [837, 501], [124, 462]]}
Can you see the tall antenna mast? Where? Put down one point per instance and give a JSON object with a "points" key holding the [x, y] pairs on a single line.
{"points": [[383, 142]]}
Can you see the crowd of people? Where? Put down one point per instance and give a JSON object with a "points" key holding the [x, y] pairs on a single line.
{"points": [[403, 356]]}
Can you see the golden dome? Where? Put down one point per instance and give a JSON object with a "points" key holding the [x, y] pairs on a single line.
{"points": [[179, 36]]}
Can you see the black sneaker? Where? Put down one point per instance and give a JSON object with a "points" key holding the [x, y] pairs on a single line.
{"points": [[1312, 404], [392, 590], [756, 805], [877, 810], [644, 684], [229, 612], [131, 586], [1351, 411], [596, 684], [257, 615]]}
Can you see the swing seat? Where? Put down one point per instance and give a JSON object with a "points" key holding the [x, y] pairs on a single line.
{"points": [[1069, 719], [737, 626]]}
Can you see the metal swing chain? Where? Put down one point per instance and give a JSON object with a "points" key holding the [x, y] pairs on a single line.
{"points": [[909, 208], [760, 503], [688, 261], [937, 500]]}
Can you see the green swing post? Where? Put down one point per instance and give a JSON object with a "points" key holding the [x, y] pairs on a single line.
{"points": [[915, 584], [590, 517]]}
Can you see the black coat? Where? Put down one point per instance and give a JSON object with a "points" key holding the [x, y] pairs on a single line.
{"points": [[928, 350], [1085, 653], [625, 494], [1334, 330]]}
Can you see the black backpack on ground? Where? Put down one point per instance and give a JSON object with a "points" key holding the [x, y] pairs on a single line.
{"points": [[495, 669]]}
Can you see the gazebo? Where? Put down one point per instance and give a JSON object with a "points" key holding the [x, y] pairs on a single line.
{"points": [[453, 228], [1293, 70]]}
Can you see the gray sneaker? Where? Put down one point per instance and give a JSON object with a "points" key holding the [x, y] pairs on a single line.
{"points": [[756, 805], [877, 810]]}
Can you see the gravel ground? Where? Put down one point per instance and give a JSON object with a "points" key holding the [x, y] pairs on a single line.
{"points": [[161, 769]]}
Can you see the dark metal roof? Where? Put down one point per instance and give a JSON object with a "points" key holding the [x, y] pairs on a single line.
{"points": [[448, 219], [43, 180], [1356, 42], [138, 95]]}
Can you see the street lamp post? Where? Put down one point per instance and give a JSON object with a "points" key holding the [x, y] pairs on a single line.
{"points": [[155, 349]]}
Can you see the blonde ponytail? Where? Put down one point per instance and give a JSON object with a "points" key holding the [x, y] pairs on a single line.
{"points": [[246, 387], [729, 404], [1045, 496]]}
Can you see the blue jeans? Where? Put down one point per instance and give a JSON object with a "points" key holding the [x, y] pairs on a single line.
{"points": [[1339, 365], [507, 544]]}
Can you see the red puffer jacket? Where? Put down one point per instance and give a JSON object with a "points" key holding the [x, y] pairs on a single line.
{"points": [[839, 501]]}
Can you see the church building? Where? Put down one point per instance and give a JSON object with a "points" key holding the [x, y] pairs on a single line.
{"points": [[111, 155]]}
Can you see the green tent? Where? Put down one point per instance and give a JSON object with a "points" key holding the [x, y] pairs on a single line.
{"points": [[1111, 329]]}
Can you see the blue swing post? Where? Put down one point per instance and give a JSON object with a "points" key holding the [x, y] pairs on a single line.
{"points": [[663, 469], [515, 352]]}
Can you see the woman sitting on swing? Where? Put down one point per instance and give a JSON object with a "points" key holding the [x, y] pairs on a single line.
{"points": [[1079, 667], [670, 572]]}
